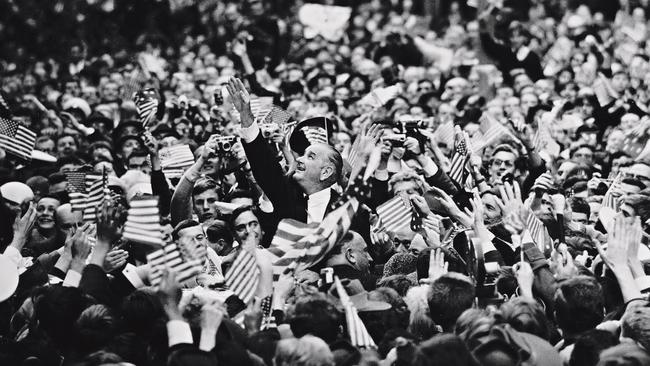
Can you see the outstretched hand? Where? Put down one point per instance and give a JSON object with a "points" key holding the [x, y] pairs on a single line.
{"points": [[241, 100]]}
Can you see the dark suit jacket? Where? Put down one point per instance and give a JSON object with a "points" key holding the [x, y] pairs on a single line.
{"points": [[287, 197]]}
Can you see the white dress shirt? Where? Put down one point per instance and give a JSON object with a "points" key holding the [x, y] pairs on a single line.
{"points": [[317, 205]]}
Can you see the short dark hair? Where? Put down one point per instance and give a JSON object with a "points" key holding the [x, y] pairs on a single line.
{"points": [[183, 225], [315, 315], [141, 153], [443, 349], [580, 205], [56, 178], [526, 315], [641, 205], [219, 230], [589, 344], [579, 304], [205, 184], [241, 193], [449, 296], [240, 210]]}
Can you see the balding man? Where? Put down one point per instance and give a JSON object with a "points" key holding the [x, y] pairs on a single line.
{"points": [[307, 194], [68, 221]]}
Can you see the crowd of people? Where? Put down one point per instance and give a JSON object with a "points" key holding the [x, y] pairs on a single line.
{"points": [[511, 136]]}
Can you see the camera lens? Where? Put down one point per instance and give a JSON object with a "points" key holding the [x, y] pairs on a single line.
{"points": [[226, 146]]}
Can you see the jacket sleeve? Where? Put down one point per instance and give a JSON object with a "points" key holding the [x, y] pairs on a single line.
{"points": [[267, 172], [442, 181], [181, 202], [160, 188]]}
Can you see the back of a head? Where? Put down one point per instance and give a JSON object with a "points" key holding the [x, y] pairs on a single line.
{"points": [[449, 296], [625, 354], [443, 349], [589, 345], [526, 315], [579, 304], [140, 311], [305, 351], [58, 309], [636, 326], [315, 315], [95, 327]]}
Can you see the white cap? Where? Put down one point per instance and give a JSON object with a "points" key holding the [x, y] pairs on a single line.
{"points": [[16, 192], [79, 104]]}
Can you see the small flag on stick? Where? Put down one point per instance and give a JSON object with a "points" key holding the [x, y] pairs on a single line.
{"points": [[244, 276], [359, 336], [143, 221], [16, 139]]}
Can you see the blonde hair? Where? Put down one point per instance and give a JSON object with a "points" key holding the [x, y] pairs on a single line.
{"points": [[305, 351]]}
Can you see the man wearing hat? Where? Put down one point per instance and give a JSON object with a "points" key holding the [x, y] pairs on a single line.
{"points": [[306, 195]]}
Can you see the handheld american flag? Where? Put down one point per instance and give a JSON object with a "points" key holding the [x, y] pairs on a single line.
{"points": [[133, 83], [96, 193], [143, 221], [86, 191], [277, 115], [174, 160], [170, 257], [397, 214], [147, 106], [538, 232], [299, 246], [243, 276], [359, 336], [16, 140], [459, 157], [490, 131]]}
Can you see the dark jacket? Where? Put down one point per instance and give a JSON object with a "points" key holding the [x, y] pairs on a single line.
{"points": [[288, 199]]}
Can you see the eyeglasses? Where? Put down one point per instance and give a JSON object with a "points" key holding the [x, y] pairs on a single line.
{"points": [[404, 242], [507, 163]]}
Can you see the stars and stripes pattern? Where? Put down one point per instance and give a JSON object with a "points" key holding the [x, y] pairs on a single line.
{"points": [[610, 200], [170, 257], [315, 134], [359, 336], [86, 192], [174, 160], [143, 221], [397, 214], [298, 246], [16, 139], [243, 276], [147, 105], [276, 115], [133, 83], [260, 107], [490, 131], [95, 198], [380, 96], [538, 232], [459, 156]]}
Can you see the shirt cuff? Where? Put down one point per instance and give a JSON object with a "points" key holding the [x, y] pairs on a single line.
{"points": [[249, 133], [72, 279], [132, 276], [381, 175], [13, 254], [178, 331], [643, 283]]}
